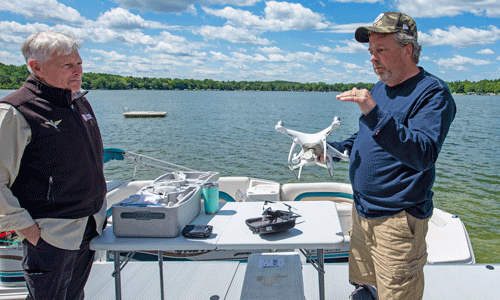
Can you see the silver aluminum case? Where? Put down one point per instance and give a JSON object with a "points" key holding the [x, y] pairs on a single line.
{"points": [[182, 191]]}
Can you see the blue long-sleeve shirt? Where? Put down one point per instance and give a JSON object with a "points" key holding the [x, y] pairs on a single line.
{"points": [[393, 155]]}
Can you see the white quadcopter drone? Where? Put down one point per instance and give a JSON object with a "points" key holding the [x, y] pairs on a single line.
{"points": [[313, 145]]}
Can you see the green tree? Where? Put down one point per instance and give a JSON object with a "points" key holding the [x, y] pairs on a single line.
{"points": [[13, 77]]}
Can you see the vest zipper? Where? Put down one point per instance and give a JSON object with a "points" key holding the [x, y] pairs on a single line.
{"points": [[51, 180]]}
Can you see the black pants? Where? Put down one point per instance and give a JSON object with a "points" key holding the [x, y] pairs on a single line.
{"points": [[52, 273]]}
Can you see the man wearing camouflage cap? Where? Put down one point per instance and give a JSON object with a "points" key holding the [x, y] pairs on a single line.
{"points": [[405, 119]]}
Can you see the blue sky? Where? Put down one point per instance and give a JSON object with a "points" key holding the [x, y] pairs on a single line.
{"points": [[302, 41]]}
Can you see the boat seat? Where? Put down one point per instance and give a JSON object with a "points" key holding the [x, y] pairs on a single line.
{"points": [[113, 184]]}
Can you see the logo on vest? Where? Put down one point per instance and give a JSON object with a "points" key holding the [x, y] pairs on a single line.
{"points": [[87, 117], [52, 123]]}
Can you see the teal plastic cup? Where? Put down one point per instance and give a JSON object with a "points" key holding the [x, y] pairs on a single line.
{"points": [[211, 196]]}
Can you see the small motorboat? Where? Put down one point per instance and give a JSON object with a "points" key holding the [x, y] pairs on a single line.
{"points": [[144, 114]]}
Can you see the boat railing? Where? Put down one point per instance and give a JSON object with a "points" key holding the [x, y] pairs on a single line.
{"points": [[142, 160]]}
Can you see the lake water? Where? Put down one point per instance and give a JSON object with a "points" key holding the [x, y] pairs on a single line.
{"points": [[233, 133]]}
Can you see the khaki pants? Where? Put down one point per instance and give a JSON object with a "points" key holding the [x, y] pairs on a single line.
{"points": [[390, 254]]}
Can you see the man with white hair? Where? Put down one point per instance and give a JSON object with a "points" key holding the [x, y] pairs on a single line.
{"points": [[52, 186]]}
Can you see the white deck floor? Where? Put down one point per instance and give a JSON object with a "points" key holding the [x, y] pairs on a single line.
{"points": [[202, 280]]}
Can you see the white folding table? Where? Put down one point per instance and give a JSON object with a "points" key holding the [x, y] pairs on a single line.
{"points": [[109, 242], [317, 228]]}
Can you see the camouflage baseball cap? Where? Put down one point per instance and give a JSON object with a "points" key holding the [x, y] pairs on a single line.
{"points": [[388, 22]]}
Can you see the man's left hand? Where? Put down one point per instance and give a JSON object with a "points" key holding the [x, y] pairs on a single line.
{"points": [[362, 97]]}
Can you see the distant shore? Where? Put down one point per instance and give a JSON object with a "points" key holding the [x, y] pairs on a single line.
{"points": [[13, 77]]}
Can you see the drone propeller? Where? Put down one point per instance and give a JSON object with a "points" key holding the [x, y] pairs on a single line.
{"points": [[266, 202]]}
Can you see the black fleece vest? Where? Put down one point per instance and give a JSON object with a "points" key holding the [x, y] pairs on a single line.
{"points": [[61, 172]]}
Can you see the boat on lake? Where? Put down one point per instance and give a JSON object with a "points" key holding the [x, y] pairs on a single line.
{"points": [[144, 114], [448, 242]]}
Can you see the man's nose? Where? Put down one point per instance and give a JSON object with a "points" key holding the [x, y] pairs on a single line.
{"points": [[78, 70]]}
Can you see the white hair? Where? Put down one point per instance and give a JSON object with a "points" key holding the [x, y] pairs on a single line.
{"points": [[41, 46]]}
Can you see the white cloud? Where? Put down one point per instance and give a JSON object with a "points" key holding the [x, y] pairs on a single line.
{"points": [[212, 73], [218, 56], [179, 6], [486, 52], [304, 57], [352, 47], [460, 37], [332, 74], [248, 58], [293, 16], [7, 39], [325, 49], [232, 2], [347, 28], [43, 10], [91, 31], [458, 62], [236, 65], [289, 72], [110, 56], [269, 50], [175, 45], [12, 27], [350, 67], [449, 8], [13, 34], [275, 61], [358, 1], [170, 6], [278, 16], [232, 34], [120, 18], [135, 44], [9, 58], [112, 36], [154, 65], [237, 16]]}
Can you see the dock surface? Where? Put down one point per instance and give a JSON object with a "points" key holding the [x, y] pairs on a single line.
{"points": [[203, 280]]}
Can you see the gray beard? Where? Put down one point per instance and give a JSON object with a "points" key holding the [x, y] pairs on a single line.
{"points": [[384, 77]]}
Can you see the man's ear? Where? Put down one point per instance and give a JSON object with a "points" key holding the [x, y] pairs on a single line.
{"points": [[409, 50], [35, 67]]}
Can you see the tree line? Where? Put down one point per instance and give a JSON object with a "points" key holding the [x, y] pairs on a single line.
{"points": [[479, 87], [116, 82], [13, 77]]}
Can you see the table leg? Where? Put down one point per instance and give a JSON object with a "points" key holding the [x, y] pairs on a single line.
{"points": [[319, 265], [160, 262], [118, 288], [321, 274]]}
